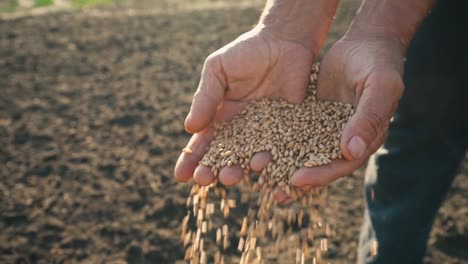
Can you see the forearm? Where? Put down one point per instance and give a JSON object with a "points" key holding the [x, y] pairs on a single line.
{"points": [[397, 20], [304, 21]]}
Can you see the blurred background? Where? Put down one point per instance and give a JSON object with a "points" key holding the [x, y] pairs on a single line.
{"points": [[93, 94]]}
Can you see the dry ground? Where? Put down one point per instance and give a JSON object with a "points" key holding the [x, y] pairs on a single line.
{"points": [[91, 122]]}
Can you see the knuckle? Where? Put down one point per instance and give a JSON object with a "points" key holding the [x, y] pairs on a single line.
{"points": [[207, 97]]}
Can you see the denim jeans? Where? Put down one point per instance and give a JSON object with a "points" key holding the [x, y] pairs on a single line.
{"points": [[408, 178]]}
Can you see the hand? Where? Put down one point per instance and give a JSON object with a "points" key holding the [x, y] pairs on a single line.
{"points": [[367, 73], [258, 64]]}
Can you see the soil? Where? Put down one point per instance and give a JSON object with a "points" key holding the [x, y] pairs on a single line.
{"points": [[91, 123]]}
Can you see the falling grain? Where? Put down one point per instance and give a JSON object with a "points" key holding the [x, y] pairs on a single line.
{"points": [[303, 135]]}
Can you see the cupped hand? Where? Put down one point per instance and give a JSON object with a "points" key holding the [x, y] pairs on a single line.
{"points": [[366, 73], [256, 65]]}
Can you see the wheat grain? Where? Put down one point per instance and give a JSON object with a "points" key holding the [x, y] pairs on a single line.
{"points": [[187, 151]]}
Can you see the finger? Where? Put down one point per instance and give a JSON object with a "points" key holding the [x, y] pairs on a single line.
{"points": [[306, 188], [209, 95], [287, 200], [281, 196], [325, 174], [376, 105], [203, 175], [230, 175], [187, 163], [260, 160]]}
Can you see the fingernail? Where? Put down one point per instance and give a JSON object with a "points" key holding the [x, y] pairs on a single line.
{"points": [[188, 122], [357, 147]]}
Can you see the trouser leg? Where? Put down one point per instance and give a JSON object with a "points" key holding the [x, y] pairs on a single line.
{"points": [[406, 180]]}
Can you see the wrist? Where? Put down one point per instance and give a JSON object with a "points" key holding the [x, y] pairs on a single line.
{"points": [[389, 43], [302, 21], [389, 20], [284, 33], [378, 52]]}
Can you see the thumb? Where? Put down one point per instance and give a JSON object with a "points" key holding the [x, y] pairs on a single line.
{"points": [[376, 104], [208, 96]]}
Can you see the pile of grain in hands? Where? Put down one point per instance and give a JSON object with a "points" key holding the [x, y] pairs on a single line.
{"points": [[303, 135]]}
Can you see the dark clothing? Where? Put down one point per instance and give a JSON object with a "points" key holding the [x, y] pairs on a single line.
{"points": [[411, 174]]}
